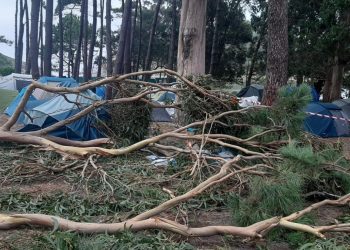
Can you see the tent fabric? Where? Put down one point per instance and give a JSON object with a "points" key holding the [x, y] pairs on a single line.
{"points": [[323, 126], [252, 90], [15, 81], [160, 115], [60, 108], [344, 104], [167, 97]]}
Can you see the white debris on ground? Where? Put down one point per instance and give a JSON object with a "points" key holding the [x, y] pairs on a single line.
{"points": [[245, 102]]}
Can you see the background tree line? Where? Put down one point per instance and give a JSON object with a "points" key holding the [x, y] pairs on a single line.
{"points": [[84, 37]]}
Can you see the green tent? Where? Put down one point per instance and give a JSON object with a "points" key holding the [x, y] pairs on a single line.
{"points": [[6, 97]]}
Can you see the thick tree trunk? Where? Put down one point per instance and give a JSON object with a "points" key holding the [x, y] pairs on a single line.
{"points": [[213, 54], [191, 44], [93, 40], [109, 38], [34, 46], [151, 36], [28, 61], [277, 49], [139, 48], [81, 30], [85, 44], [173, 36], [70, 50], [127, 49], [122, 46], [337, 80], [60, 21], [19, 55], [48, 38], [99, 68]]}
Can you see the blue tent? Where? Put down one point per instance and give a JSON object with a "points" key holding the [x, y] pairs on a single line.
{"points": [[167, 97], [39, 97], [61, 108], [321, 120], [252, 90]]}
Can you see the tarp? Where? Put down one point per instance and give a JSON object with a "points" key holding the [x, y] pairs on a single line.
{"points": [[59, 109], [167, 97], [15, 81], [252, 90], [344, 104], [160, 114], [327, 126]]}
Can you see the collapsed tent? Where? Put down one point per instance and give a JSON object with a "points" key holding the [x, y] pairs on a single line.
{"points": [[252, 90], [344, 104], [59, 109], [167, 97], [44, 109], [160, 114], [15, 81], [325, 120]]}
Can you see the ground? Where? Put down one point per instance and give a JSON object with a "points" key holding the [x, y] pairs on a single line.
{"points": [[31, 182]]}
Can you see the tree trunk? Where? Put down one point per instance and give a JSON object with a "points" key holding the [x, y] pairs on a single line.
{"points": [[151, 36], [85, 44], [28, 61], [109, 38], [93, 40], [140, 40], [34, 46], [19, 55], [60, 21], [337, 80], [191, 44], [70, 50], [122, 46], [81, 30], [127, 48], [41, 39], [213, 55], [16, 35], [99, 68], [132, 39], [173, 36], [277, 49], [48, 38]]}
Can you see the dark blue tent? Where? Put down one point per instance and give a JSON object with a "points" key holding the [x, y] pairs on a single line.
{"points": [[344, 104], [321, 120], [167, 97], [252, 90]]}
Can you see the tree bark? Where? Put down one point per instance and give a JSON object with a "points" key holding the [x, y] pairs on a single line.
{"points": [[16, 35], [191, 44], [28, 61], [93, 40], [122, 46], [19, 55], [60, 21], [41, 38], [151, 36], [78, 54], [127, 49], [173, 36], [99, 68], [140, 40], [109, 38], [277, 49], [213, 55], [132, 39], [85, 44], [34, 46], [48, 38]]}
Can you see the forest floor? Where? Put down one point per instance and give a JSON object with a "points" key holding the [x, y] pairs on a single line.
{"points": [[30, 182]]}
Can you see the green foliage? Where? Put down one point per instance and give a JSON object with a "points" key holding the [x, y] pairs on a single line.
{"points": [[125, 240], [6, 71], [268, 197], [130, 121], [338, 243]]}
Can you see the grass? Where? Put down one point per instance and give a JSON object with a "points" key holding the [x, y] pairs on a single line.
{"points": [[6, 97]]}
